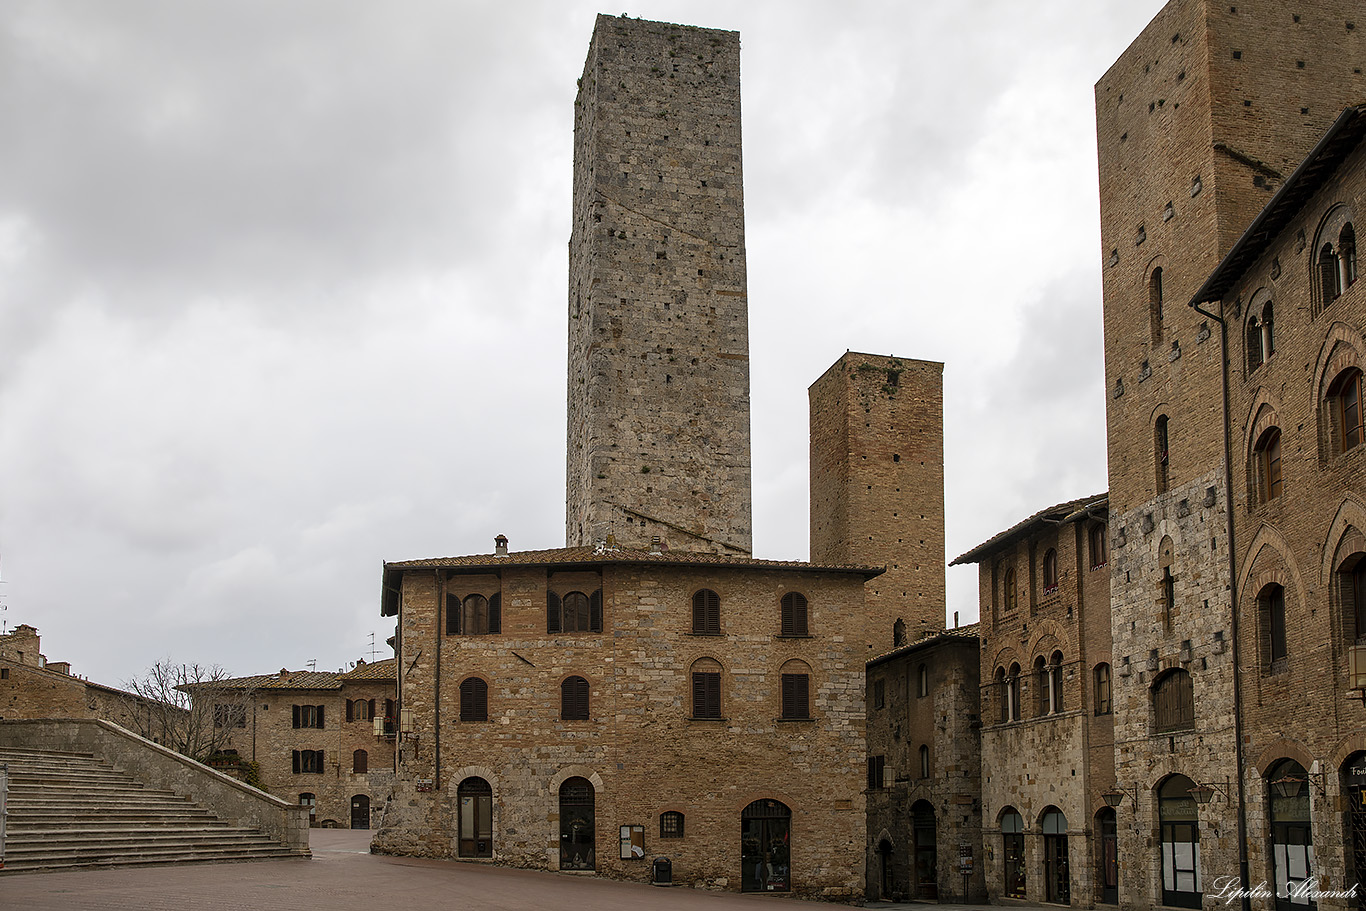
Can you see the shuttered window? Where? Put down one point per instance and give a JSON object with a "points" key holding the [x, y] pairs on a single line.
{"points": [[308, 716], [573, 613], [474, 615], [796, 696], [574, 699], [308, 761], [706, 613], [877, 766], [474, 700], [360, 762], [706, 694], [794, 614], [1174, 703]]}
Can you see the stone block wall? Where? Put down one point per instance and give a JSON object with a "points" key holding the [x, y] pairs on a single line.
{"points": [[658, 385]]}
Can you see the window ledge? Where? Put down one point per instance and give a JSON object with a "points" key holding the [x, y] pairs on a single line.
{"points": [[794, 636], [706, 635], [701, 718], [794, 720]]}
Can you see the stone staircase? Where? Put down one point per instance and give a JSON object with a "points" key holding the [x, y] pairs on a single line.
{"points": [[72, 810]]}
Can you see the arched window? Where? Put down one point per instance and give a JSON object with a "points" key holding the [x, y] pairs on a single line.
{"points": [[574, 699], [1155, 304], [1013, 854], [793, 614], [476, 818], [1057, 883], [671, 824], [474, 615], [1328, 274], [1100, 551], [1104, 699], [1173, 702], [1344, 396], [706, 613], [796, 691], [924, 761], [1161, 452], [1268, 455], [360, 762], [1352, 585], [1271, 611], [1055, 682], [474, 699], [1180, 831], [1050, 572], [1008, 592], [922, 681], [573, 613], [1043, 685], [706, 688], [1002, 696], [1347, 256]]}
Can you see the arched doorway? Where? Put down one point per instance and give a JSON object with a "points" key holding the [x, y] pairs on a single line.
{"points": [[360, 811], [1012, 854], [926, 850], [1107, 831], [1292, 841], [886, 886], [1057, 882], [1176, 811], [476, 818], [766, 847], [1354, 839], [577, 825]]}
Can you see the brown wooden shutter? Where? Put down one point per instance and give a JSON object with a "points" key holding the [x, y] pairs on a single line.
{"points": [[296, 760], [595, 612], [452, 614], [296, 716], [706, 613], [796, 696], [371, 706], [496, 613], [552, 612], [350, 713], [320, 717]]}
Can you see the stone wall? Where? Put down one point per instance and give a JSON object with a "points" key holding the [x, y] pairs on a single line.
{"points": [[658, 381]]}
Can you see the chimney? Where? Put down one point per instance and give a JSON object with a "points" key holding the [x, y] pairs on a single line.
{"points": [[656, 546], [500, 546]]}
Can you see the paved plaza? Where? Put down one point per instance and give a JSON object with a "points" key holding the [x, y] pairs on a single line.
{"points": [[343, 876]]}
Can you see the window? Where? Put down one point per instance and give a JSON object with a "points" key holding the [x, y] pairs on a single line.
{"points": [[1050, 572], [877, 770], [1271, 608], [308, 761], [1173, 702], [474, 615], [706, 688], [1268, 454], [1013, 853], [1013, 693], [476, 818], [1260, 340], [706, 613], [924, 761], [796, 697], [1337, 268], [1161, 454], [1055, 682], [360, 762], [1155, 304], [1103, 698], [574, 699], [879, 694], [1352, 584], [1345, 398], [1100, 554], [671, 824], [1008, 592], [360, 709], [922, 681], [308, 716], [793, 614], [1347, 256], [229, 716], [1043, 686], [310, 801], [474, 699], [4, 673], [1002, 696], [574, 613]]}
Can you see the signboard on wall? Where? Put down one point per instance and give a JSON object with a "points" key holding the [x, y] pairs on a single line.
{"points": [[632, 842]]}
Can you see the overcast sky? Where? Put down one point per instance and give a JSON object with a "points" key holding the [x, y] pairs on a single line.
{"points": [[283, 288]]}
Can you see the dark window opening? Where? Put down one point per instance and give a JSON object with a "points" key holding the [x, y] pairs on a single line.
{"points": [[1173, 702], [796, 696], [474, 699], [574, 699], [671, 824], [706, 613], [794, 614]]}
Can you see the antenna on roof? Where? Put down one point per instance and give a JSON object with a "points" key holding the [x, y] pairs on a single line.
{"points": [[312, 664], [372, 646]]}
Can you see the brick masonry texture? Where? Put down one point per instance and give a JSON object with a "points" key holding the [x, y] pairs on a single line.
{"points": [[658, 402], [877, 485]]}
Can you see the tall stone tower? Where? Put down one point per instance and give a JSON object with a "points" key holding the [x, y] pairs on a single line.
{"points": [[877, 486], [658, 399]]}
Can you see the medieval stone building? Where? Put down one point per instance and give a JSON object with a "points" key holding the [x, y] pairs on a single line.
{"points": [[651, 692]]}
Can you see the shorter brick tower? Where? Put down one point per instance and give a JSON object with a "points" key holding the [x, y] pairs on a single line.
{"points": [[877, 485]]}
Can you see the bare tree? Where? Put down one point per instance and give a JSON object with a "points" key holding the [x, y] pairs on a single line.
{"points": [[189, 708]]}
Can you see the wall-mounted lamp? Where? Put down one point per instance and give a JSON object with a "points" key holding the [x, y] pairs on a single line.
{"points": [[1115, 796], [1203, 792]]}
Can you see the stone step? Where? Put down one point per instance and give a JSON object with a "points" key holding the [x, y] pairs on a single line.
{"points": [[51, 845], [88, 859]]}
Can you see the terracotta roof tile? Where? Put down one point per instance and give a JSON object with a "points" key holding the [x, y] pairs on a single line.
{"points": [[1053, 514]]}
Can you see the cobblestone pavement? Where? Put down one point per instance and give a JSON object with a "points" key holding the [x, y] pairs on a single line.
{"points": [[344, 876]]}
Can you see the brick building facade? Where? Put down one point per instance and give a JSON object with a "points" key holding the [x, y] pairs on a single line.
{"points": [[925, 771], [318, 738], [1047, 710]]}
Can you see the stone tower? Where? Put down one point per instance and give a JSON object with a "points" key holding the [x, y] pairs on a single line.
{"points": [[658, 398], [877, 486]]}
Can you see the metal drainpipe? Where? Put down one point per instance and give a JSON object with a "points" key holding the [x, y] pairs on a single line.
{"points": [[436, 696], [1233, 604]]}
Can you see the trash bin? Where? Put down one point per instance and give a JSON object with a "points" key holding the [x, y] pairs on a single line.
{"points": [[663, 872]]}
